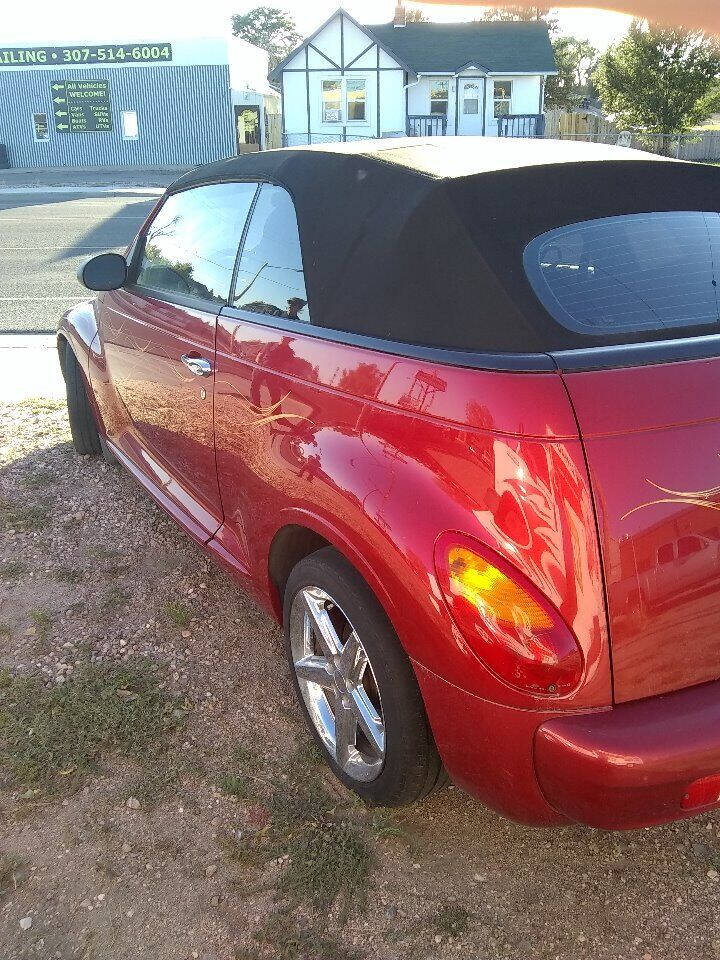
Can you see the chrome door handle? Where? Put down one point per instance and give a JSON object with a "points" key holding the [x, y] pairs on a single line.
{"points": [[197, 365]]}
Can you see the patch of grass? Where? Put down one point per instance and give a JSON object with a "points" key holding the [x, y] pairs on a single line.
{"points": [[68, 575], [178, 613], [114, 598], [234, 786], [324, 850], [308, 753], [239, 850], [155, 783], [329, 856], [40, 478], [42, 621], [450, 920], [38, 405], [241, 781], [24, 518], [48, 732], [11, 873], [290, 941], [101, 552], [12, 570]]}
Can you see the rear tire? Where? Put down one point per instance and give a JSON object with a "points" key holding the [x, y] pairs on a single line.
{"points": [[397, 763], [85, 435]]}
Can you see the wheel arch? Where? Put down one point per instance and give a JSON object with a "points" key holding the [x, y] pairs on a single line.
{"points": [[304, 533]]}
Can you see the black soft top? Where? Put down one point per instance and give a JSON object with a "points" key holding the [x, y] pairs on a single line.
{"points": [[422, 241]]}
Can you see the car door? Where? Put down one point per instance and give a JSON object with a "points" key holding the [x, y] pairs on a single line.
{"points": [[159, 339], [262, 420]]}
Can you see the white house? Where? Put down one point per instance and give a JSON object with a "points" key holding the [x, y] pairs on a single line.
{"points": [[349, 80]]}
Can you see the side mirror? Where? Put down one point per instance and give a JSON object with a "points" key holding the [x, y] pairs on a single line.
{"points": [[107, 271]]}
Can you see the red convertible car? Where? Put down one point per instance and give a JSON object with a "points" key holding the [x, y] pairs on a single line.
{"points": [[450, 410]]}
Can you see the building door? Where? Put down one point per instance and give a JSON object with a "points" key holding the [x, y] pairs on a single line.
{"points": [[470, 107], [247, 128]]}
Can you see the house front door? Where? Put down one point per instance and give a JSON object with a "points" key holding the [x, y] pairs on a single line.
{"points": [[470, 107]]}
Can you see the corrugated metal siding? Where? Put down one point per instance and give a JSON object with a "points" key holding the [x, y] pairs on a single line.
{"points": [[184, 117]]}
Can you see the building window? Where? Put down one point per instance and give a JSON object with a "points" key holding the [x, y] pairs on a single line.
{"points": [[356, 100], [471, 98], [344, 101], [502, 95], [40, 127], [439, 97], [332, 111], [129, 125]]}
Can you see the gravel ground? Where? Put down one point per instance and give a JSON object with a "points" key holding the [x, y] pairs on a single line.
{"points": [[180, 860]]}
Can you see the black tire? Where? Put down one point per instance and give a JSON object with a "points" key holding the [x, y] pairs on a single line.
{"points": [[83, 428], [108, 455], [411, 767]]}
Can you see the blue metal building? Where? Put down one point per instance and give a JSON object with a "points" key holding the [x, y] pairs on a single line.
{"points": [[158, 103]]}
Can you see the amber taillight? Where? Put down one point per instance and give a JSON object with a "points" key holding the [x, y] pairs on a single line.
{"points": [[506, 620]]}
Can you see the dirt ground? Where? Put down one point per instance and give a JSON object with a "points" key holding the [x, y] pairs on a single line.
{"points": [[160, 798]]}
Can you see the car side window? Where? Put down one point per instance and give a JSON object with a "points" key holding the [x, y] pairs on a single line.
{"points": [[191, 246], [270, 277]]}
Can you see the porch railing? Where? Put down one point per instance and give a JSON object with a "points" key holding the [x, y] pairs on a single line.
{"points": [[522, 125], [426, 125]]}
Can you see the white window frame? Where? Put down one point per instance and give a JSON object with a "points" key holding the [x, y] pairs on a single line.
{"points": [[507, 99], [323, 81], [125, 134], [445, 99], [363, 81], [344, 118], [468, 81]]}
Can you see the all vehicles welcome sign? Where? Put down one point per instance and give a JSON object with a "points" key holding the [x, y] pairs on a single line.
{"points": [[81, 106]]}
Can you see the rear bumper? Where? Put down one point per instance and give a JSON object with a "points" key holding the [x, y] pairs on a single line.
{"points": [[631, 766], [616, 769]]}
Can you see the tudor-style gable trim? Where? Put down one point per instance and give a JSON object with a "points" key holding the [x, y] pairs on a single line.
{"points": [[276, 74]]}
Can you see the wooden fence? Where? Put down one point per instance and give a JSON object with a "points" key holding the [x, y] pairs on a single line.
{"points": [[693, 145]]}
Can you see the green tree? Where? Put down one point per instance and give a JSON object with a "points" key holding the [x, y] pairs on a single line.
{"points": [[270, 28], [522, 13], [413, 15], [576, 61], [658, 78]]}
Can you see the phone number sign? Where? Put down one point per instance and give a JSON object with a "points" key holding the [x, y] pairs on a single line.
{"points": [[81, 106], [124, 54]]}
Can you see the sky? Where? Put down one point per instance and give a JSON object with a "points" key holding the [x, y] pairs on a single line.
{"points": [[41, 22]]}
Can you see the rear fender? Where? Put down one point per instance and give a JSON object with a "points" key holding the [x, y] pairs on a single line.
{"points": [[385, 512]]}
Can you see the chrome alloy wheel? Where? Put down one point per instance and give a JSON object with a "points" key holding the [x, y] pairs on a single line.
{"points": [[337, 683]]}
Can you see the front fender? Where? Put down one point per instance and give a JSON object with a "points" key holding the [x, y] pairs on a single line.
{"points": [[78, 328]]}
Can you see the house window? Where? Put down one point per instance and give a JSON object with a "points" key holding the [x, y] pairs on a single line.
{"points": [[344, 101], [471, 98], [439, 97], [332, 101], [502, 95], [129, 125], [356, 100]]}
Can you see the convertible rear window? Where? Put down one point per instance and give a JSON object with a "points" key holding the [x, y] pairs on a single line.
{"points": [[628, 274]]}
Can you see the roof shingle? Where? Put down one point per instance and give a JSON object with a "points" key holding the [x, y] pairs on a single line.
{"points": [[497, 47]]}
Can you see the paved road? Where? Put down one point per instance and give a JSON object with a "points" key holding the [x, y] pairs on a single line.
{"points": [[43, 239]]}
